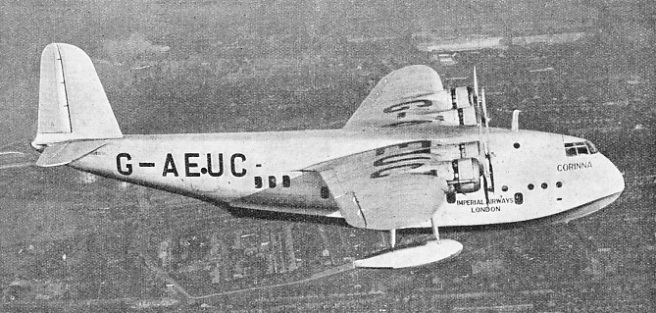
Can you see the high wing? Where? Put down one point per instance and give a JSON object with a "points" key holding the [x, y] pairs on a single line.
{"points": [[400, 186], [390, 187], [414, 95]]}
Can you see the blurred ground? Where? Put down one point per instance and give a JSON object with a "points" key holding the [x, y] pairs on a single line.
{"points": [[70, 238]]}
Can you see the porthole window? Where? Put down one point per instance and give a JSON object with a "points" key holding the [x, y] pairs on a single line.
{"points": [[516, 145], [544, 186], [519, 198], [504, 188], [451, 197], [272, 182], [559, 184], [530, 186], [325, 193]]}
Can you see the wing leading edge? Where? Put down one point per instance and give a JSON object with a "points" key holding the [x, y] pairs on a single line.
{"points": [[401, 186], [414, 95], [385, 188]]}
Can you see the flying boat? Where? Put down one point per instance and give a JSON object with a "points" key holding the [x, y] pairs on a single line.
{"points": [[413, 155]]}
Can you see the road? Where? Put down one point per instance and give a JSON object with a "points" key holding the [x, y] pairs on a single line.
{"points": [[324, 274]]}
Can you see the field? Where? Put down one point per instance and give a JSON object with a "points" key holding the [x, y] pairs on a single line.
{"points": [[79, 241]]}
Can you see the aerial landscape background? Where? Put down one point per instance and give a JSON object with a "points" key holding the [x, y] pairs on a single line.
{"points": [[72, 240]]}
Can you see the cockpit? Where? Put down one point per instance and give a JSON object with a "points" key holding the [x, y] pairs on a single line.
{"points": [[573, 149]]}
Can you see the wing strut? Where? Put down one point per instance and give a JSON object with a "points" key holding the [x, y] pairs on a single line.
{"points": [[436, 231], [430, 252]]}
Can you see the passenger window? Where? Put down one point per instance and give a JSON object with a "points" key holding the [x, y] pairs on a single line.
{"points": [[519, 198], [285, 181], [258, 182], [325, 193], [272, 182], [451, 197]]}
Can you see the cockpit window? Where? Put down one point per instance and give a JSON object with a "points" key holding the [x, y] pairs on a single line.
{"points": [[579, 148], [582, 150], [570, 151]]}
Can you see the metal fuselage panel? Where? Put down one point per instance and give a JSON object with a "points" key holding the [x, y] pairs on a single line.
{"points": [[534, 178], [263, 170]]}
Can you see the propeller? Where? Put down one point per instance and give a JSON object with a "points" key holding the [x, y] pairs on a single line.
{"points": [[488, 181]]}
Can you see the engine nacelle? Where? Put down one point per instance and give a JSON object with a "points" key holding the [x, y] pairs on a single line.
{"points": [[467, 176], [462, 112], [443, 100], [462, 175], [460, 117], [462, 97], [457, 107], [450, 107]]}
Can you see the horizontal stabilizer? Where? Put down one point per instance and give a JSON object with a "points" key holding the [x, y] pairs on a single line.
{"points": [[67, 152]]}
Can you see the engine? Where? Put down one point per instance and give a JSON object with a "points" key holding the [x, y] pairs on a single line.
{"points": [[463, 111], [446, 100], [462, 97], [462, 175], [453, 107]]}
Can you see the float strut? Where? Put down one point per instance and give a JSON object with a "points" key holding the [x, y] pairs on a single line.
{"points": [[436, 232], [393, 238]]}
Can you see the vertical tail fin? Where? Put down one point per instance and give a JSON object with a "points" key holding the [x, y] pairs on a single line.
{"points": [[72, 101]]}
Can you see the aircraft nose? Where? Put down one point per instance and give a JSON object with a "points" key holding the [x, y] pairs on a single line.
{"points": [[615, 179]]}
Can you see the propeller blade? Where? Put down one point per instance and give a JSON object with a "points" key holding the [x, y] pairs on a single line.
{"points": [[475, 83], [484, 105], [481, 107], [486, 189]]}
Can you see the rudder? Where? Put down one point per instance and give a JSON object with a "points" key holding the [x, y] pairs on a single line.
{"points": [[72, 101]]}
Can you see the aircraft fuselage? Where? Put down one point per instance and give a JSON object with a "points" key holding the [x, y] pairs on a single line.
{"points": [[414, 154], [532, 175]]}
